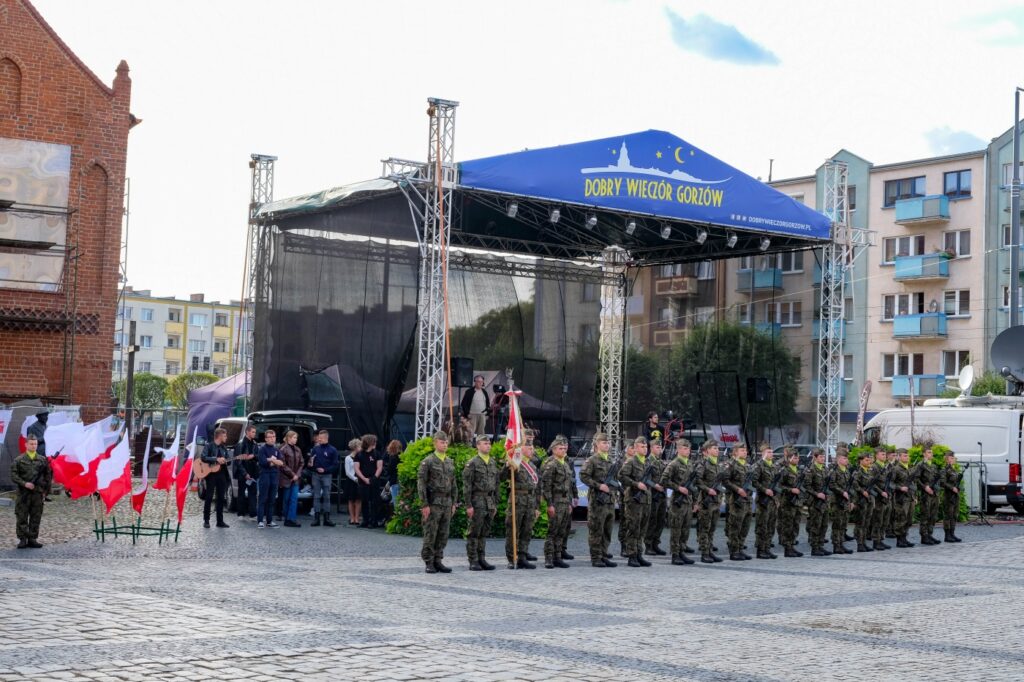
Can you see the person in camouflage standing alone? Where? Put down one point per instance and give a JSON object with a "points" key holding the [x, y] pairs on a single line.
{"points": [[438, 492], [839, 500], [31, 473], [601, 502], [765, 480], [707, 482], [656, 522], [480, 492], [556, 483], [678, 477]]}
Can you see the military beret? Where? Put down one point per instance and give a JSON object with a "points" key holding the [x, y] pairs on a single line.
{"points": [[440, 435], [483, 437]]}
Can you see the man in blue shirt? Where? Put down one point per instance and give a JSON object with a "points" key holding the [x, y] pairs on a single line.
{"points": [[269, 462], [323, 460]]}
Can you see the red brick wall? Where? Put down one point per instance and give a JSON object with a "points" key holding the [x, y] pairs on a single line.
{"points": [[48, 95]]}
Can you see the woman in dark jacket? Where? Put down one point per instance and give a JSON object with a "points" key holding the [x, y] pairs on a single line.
{"points": [[369, 467], [289, 476]]}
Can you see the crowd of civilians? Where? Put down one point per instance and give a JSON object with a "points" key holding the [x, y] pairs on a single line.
{"points": [[270, 476]]}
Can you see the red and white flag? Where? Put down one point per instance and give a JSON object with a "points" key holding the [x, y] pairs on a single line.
{"points": [[114, 473], [80, 465], [29, 421], [139, 495], [514, 434], [184, 477], [168, 466]]}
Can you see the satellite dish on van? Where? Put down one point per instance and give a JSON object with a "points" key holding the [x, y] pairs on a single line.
{"points": [[966, 380], [1008, 354]]}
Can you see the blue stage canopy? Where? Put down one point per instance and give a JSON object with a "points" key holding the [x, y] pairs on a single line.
{"points": [[651, 173]]}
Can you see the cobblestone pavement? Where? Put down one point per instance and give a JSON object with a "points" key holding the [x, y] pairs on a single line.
{"points": [[345, 603]]}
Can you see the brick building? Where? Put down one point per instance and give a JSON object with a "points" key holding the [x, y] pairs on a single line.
{"points": [[63, 145]]}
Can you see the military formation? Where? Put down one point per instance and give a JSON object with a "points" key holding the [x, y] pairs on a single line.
{"points": [[770, 494]]}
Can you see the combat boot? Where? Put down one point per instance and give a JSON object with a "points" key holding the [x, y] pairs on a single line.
{"points": [[609, 555], [791, 553], [641, 560], [34, 545], [549, 562], [327, 521], [658, 550], [475, 566], [523, 563], [633, 563], [901, 542], [566, 556], [879, 546], [609, 563], [824, 552], [935, 540], [848, 538], [677, 560], [838, 548], [598, 563], [906, 542], [688, 550], [945, 536], [316, 521], [817, 552], [430, 568], [441, 568], [862, 547], [746, 557], [925, 540], [762, 554], [485, 565], [561, 564], [706, 559], [953, 537], [530, 557], [717, 559], [885, 545], [23, 544], [735, 556]]}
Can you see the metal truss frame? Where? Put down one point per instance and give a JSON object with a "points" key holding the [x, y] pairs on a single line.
{"points": [[612, 344], [259, 245]]}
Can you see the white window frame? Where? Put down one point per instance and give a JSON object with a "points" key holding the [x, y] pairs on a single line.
{"points": [[196, 346], [915, 247], [956, 297], [172, 368], [201, 317], [145, 341], [147, 314], [1006, 296], [847, 367], [145, 366], [783, 313], [706, 270], [218, 317], [174, 315], [899, 361], [792, 257], [902, 302], [743, 312], [703, 314], [960, 239], [961, 359]]}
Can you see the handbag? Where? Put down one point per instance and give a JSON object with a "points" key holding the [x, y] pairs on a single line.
{"points": [[385, 493]]}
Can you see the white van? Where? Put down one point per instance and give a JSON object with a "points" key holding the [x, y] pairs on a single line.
{"points": [[986, 429]]}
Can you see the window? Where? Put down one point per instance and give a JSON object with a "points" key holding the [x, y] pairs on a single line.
{"points": [[197, 319], [957, 185], [953, 361], [221, 319], [1006, 296], [206, 364], [848, 367], [589, 293], [895, 247], [706, 269], [220, 345], [848, 309], [146, 341], [118, 367], [118, 340], [671, 270], [174, 342], [588, 334], [704, 314], [904, 188], [145, 366], [851, 198], [902, 364], [1006, 235], [195, 363], [174, 315], [787, 314], [124, 312], [1008, 173], [744, 312], [147, 314], [218, 370], [173, 368], [791, 262], [197, 345], [902, 304], [665, 317], [959, 242], [957, 302]]}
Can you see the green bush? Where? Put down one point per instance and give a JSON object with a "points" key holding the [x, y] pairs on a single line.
{"points": [[407, 520]]}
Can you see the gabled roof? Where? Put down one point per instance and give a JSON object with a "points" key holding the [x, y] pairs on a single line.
{"points": [[68, 51]]}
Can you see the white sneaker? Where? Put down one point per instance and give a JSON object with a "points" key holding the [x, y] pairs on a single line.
{"points": [[260, 525], [272, 525]]}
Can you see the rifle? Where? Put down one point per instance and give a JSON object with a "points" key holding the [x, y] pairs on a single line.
{"points": [[645, 478], [828, 484], [717, 487], [776, 482], [612, 481], [38, 478], [888, 480], [799, 486], [874, 482], [677, 497]]}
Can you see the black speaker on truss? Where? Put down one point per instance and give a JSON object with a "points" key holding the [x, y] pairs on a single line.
{"points": [[759, 390], [462, 372]]}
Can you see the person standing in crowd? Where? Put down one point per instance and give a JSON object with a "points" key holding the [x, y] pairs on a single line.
{"points": [[927, 477], [557, 482], [289, 475], [369, 467], [678, 477], [892, 462], [475, 402], [218, 481], [765, 480], [881, 501], [269, 464], [601, 504], [707, 482], [562, 443], [438, 492], [246, 473], [949, 482], [862, 479], [817, 485], [527, 482], [636, 496], [903, 498], [789, 504], [738, 486], [31, 473], [394, 458], [839, 500], [480, 492], [323, 460], [656, 522], [629, 453], [651, 430], [351, 482]]}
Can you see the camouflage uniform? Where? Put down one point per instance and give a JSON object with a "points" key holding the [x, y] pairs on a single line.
{"points": [[927, 474], [480, 491], [839, 506], [527, 500], [707, 517], [737, 524], [557, 484], [767, 505], [789, 507], [903, 502], [862, 478], [949, 478], [656, 521], [600, 506], [677, 474], [880, 503], [817, 481], [437, 489], [887, 502], [28, 508], [636, 505]]}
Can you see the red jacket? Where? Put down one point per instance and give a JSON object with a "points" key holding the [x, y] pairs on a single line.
{"points": [[292, 457]]}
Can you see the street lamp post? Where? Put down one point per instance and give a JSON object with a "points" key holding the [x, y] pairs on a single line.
{"points": [[1015, 215]]}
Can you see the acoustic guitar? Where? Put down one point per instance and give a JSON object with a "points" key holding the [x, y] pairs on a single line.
{"points": [[201, 469]]}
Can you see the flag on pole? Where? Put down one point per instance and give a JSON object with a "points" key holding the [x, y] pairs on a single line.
{"points": [[23, 436], [514, 434], [79, 468], [165, 476], [184, 477], [114, 473], [139, 495]]}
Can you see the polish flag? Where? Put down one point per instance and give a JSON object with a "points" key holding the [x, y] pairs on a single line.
{"points": [[139, 495], [165, 476], [29, 421], [80, 466], [184, 477], [114, 474], [65, 442], [514, 434]]}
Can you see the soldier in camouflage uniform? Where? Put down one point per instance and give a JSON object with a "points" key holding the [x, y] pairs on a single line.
{"points": [[903, 498], [892, 462], [438, 492], [789, 503], [765, 480], [678, 477], [881, 501], [708, 482], [574, 496], [480, 493], [738, 487], [636, 502], [817, 484], [862, 480], [526, 507], [656, 523], [840, 491], [630, 453], [949, 482], [556, 483], [31, 473], [927, 477], [601, 502]]}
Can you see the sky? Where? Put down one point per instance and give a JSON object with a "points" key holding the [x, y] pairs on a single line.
{"points": [[331, 88]]}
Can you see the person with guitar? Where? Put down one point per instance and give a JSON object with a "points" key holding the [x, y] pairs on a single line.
{"points": [[215, 459]]}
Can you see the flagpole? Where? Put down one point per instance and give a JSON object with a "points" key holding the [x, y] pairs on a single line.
{"points": [[512, 500]]}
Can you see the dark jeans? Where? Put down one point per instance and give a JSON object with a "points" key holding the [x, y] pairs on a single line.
{"points": [[267, 497], [370, 496], [216, 487], [245, 501]]}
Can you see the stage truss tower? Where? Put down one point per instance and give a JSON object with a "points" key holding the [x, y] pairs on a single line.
{"points": [[256, 277], [612, 338]]}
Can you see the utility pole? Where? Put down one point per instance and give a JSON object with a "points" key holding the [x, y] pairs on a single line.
{"points": [[129, 386]]}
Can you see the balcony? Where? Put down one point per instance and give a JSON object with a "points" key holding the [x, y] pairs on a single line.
{"points": [[816, 330], [816, 388], [918, 268], [174, 328], [220, 358], [928, 210], [172, 354], [676, 286], [758, 280], [221, 330], [668, 337], [922, 326], [924, 385], [766, 328]]}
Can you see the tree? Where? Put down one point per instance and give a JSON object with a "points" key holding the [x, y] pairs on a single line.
{"points": [[148, 392], [642, 383], [988, 382], [178, 389]]}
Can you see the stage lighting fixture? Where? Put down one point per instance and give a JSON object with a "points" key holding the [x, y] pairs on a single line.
{"points": [[702, 236], [631, 227], [666, 232], [555, 215], [513, 209], [731, 240], [591, 221], [765, 243]]}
